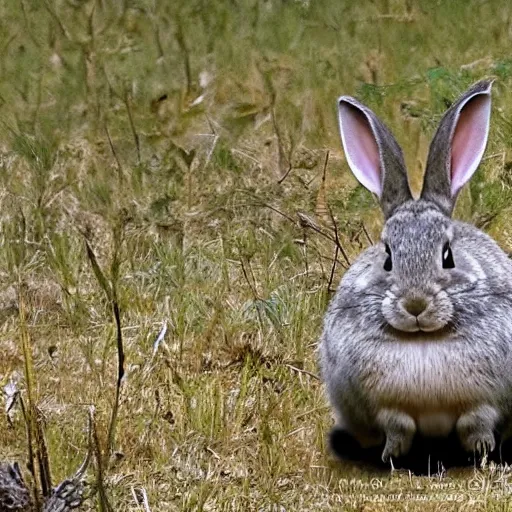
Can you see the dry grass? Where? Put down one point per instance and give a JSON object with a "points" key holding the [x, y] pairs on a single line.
{"points": [[180, 140]]}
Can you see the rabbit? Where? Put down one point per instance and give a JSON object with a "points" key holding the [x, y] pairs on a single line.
{"points": [[418, 337]]}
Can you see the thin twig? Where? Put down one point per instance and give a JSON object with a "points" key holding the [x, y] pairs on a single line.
{"points": [[54, 15], [333, 268], [333, 220], [300, 370], [285, 175], [321, 200], [260, 202], [103, 502], [248, 280], [114, 153], [210, 124], [326, 161], [43, 459], [37, 449], [110, 290], [180, 39], [120, 375], [305, 221], [282, 159], [31, 457], [114, 272], [126, 99], [366, 233], [307, 183], [337, 238], [274, 209], [305, 245], [100, 276], [80, 472], [252, 287]]}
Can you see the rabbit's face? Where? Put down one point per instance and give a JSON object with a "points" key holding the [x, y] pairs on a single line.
{"points": [[417, 282], [418, 267]]}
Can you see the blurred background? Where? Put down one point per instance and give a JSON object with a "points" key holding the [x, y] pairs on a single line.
{"points": [[180, 161]]}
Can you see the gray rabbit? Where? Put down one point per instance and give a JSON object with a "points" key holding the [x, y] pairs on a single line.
{"points": [[419, 334]]}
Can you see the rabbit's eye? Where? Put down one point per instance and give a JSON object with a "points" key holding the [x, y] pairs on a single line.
{"points": [[388, 265], [448, 256]]}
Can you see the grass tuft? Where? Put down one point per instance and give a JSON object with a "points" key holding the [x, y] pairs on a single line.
{"points": [[193, 148]]}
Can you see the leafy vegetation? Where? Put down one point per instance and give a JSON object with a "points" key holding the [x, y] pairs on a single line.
{"points": [[180, 161]]}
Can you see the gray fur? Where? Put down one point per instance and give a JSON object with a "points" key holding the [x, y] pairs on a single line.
{"points": [[436, 186], [389, 373], [395, 185]]}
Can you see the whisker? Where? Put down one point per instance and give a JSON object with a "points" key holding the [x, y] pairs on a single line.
{"points": [[507, 295]]}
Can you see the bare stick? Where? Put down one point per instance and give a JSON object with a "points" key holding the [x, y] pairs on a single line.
{"points": [[284, 162], [120, 375], [126, 100], [307, 222], [367, 234], [31, 457], [114, 153], [338, 242], [37, 449], [305, 242], [300, 370], [110, 290], [104, 505], [333, 268], [54, 15], [285, 175], [249, 282], [180, 39]]}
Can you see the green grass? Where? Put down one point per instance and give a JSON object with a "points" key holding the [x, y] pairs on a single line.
{"points": [[181, 139]]}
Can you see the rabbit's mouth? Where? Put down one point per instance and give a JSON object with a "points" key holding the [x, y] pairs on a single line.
{"points": [[418, 313], [420, 335], [411, 324]]}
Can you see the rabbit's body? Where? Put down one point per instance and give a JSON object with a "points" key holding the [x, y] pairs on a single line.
{"points": [[419, 334]]}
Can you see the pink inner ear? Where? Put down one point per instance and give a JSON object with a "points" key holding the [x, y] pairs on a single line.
{"points": [[469, 140], [360, 147]]}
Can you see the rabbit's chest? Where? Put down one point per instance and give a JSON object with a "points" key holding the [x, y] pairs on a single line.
{"points": [[427, 379]]}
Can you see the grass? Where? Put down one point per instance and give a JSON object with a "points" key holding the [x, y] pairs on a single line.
{"points": [[180, 140]]}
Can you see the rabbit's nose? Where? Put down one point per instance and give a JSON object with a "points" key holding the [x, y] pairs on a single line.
{"points": [[415, 305]]}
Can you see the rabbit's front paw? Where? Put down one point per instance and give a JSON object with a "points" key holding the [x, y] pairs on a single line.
{"points": [[485, 444], [481, 443], [476, 430], [399, 429], [396, 446]]}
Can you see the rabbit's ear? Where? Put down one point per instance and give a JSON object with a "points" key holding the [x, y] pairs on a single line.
{"points": [[458, 146], [373, 154]]}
